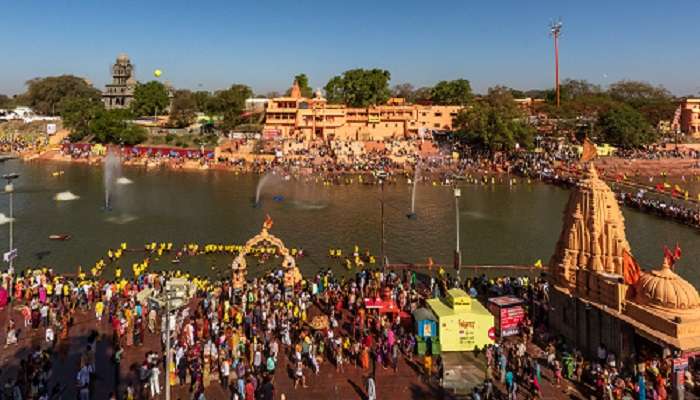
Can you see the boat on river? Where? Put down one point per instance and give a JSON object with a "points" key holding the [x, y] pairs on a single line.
{"points": [[62, 237]]}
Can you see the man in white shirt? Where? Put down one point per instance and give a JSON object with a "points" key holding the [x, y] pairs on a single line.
{"points": [[154, 380], [49, 335]]}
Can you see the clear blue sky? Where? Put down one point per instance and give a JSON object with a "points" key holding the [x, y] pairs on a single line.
{"points": [[212, 44]]}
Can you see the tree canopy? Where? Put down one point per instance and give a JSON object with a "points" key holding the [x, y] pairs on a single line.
{"points": [[45, 95], [230, 103], [359, 87], [149, 98], [183, 109], [457, 92], [113, 126], [303, 81], [623, 126], [77, 113], [494, 122], [654, 102]]}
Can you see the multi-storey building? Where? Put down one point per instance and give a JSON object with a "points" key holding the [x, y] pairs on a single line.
{"points": [[120, 93], [295, 116], [687, 118]]}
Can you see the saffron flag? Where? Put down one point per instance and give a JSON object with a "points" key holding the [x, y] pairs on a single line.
{"points": [[589, 151], [672, 257], [267, 225], [630, 268]]}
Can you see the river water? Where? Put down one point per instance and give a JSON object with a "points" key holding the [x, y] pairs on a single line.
{"points": [[499, 224]]}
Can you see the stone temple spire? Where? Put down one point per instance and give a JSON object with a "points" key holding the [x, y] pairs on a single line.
{"points": [[593, 237], [295, 91]]}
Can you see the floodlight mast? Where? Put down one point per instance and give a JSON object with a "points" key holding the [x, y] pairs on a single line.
{"points": [[555, 30]]}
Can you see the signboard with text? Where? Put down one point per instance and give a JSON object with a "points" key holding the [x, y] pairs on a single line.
{"points": [[9, 255], [509, 314]]}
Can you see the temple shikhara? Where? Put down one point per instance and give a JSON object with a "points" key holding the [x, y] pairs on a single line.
{"points": [[600, 296]]}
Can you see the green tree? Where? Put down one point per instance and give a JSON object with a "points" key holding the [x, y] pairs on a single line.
{"points": [[626, 127], [113, 126], [422, 95], [149, 98], [654, 102], [303, 81], [6, 102], [494, 122], [405, 91], [457, 92], [359, 87], [77, 113], [201, 100], [44, 95], [231, 103], [183, 109]]}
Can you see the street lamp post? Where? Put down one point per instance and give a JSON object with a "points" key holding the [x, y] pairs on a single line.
{"points": [[169, 297], [10, 188], [382, 176], [458, 254]]}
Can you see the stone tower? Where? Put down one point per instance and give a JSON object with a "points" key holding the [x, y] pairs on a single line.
{"points": [[120, 92], [592, 241]]}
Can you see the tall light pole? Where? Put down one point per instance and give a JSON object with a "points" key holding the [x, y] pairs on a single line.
{"points": [[382, 176], [458, 253], [555, 30], [10, 188], [169, 297]]}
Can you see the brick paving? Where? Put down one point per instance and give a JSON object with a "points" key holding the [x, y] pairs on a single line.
{"points": [[407, 383]]}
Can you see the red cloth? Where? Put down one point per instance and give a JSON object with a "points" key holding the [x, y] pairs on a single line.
{"points": [[630, 268]]}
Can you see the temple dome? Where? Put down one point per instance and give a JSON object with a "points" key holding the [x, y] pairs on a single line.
{"points": [[665, 289], [123, 58]]}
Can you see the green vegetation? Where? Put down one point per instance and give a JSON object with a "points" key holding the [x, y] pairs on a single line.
{"points": [[150, 98], [303, 81], [231, 103], [623, 126], [359, 87], [112, 126], [494, 122], [183, 109], [77, 113], [454, 93], [46, 96]]}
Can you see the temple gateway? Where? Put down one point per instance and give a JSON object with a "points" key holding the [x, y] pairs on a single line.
{"points": [[595, 299]]}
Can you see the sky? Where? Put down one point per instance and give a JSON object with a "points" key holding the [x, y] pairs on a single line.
{"points": [[209, 45]]}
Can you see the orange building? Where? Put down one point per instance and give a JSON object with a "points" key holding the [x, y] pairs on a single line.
{"points": [[687, 117], [295, 116]]}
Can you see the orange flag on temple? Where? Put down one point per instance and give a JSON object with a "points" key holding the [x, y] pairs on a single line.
{"points": [[630, 268], [267, 225], [589, 151]]}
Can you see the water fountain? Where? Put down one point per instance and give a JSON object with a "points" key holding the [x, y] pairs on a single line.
{"points": [[416, 177], [65, 196], [112, 170], [261, 184]]}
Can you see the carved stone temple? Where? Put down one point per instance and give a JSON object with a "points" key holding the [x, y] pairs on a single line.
{"points": [[590, 302]]}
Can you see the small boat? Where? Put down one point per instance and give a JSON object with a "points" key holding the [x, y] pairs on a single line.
{"points": [[59, 237]]}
